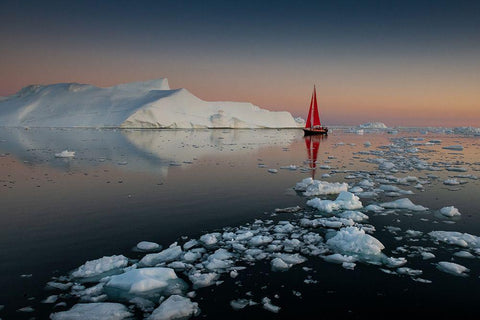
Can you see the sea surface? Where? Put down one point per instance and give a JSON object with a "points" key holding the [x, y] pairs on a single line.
{"points": [[127, 186]]}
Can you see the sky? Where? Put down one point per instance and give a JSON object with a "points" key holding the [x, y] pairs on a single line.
{"points": [[405, 63]]}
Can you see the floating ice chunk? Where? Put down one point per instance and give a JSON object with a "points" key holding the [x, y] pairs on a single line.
{"points": [[241, 303], [450, 211], [144, 281], [414, 233], [65, 154], [456, 147], [409, 271], [26, 309], [190, 244], [50, 299], [100, 267], [464, 254], [167, 255], [200, 280], [288, 210], [457, 169], [427, 255], [366, 183], [374, 208], [451, 182], [355, 240], [59, 285], [356, 189], [175, 307], [404, 203], [356, 216], [453, 268], [280, 265], [318, 187], [267, 305], [339, 258], [456, 238], [272, 170], [345, 200], [148, 246], [290, 167], [99, 310], [292, 259], [210, 239], [260, 240], [367, 144]]}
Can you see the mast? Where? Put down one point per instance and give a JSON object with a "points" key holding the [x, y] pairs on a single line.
{"points": [[316, 117]]}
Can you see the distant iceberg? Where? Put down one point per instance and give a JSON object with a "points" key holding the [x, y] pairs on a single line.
{"points": [[149, 104], [373, 125]]}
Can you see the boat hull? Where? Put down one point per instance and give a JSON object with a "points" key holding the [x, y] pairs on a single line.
{"points": [[311, 132]]}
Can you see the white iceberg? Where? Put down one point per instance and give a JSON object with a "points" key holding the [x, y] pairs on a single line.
{"points": [[352, 240], [149, 104]]}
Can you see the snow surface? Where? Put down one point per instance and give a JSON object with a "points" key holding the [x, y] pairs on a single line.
{"points": [[100, 310], [149, 104]]}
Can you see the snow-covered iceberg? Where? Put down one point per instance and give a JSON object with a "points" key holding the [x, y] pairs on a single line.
{"points": [[150, 104]]}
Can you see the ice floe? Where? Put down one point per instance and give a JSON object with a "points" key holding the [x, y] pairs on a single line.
{"points": [[99, 310], [317, 187], [65, 154], [100, 267], [345, 200], [453, 268], [450, 211], [404, 203], [175, 307]]}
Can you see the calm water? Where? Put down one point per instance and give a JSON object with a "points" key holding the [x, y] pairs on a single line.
{"points": [[123, 187]]}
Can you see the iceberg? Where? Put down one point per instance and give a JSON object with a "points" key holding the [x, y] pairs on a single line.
{"points": [[149, 104], [345, 200], [316, 187]]}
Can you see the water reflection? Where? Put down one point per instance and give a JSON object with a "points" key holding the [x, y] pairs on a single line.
{"points": [[135, 150], [312, 144]]}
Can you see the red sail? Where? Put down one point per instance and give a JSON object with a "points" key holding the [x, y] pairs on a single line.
{"points": [[309, 118], [316, 117], [313, 118]]}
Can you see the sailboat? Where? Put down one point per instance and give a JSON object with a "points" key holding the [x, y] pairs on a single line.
{"points": [[313, 125]]}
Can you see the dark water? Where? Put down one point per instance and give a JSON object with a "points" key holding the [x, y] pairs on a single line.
{"points": [[123, 187]]}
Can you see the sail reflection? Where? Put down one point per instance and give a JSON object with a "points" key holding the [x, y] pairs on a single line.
{"points": [[313, 144]]}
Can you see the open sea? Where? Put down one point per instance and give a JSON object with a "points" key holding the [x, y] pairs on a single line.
{"points": [[167, 186]]}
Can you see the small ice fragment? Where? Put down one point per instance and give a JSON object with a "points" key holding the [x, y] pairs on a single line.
{"points": [[451, 182], [453, 268], [65, 154], [267, 305], [50, 299], [26, 309], [404, 203], [97, 267], [464, 254], [175, 307], [427, 255], [272, 170], [148, 246], [449, 211]]}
